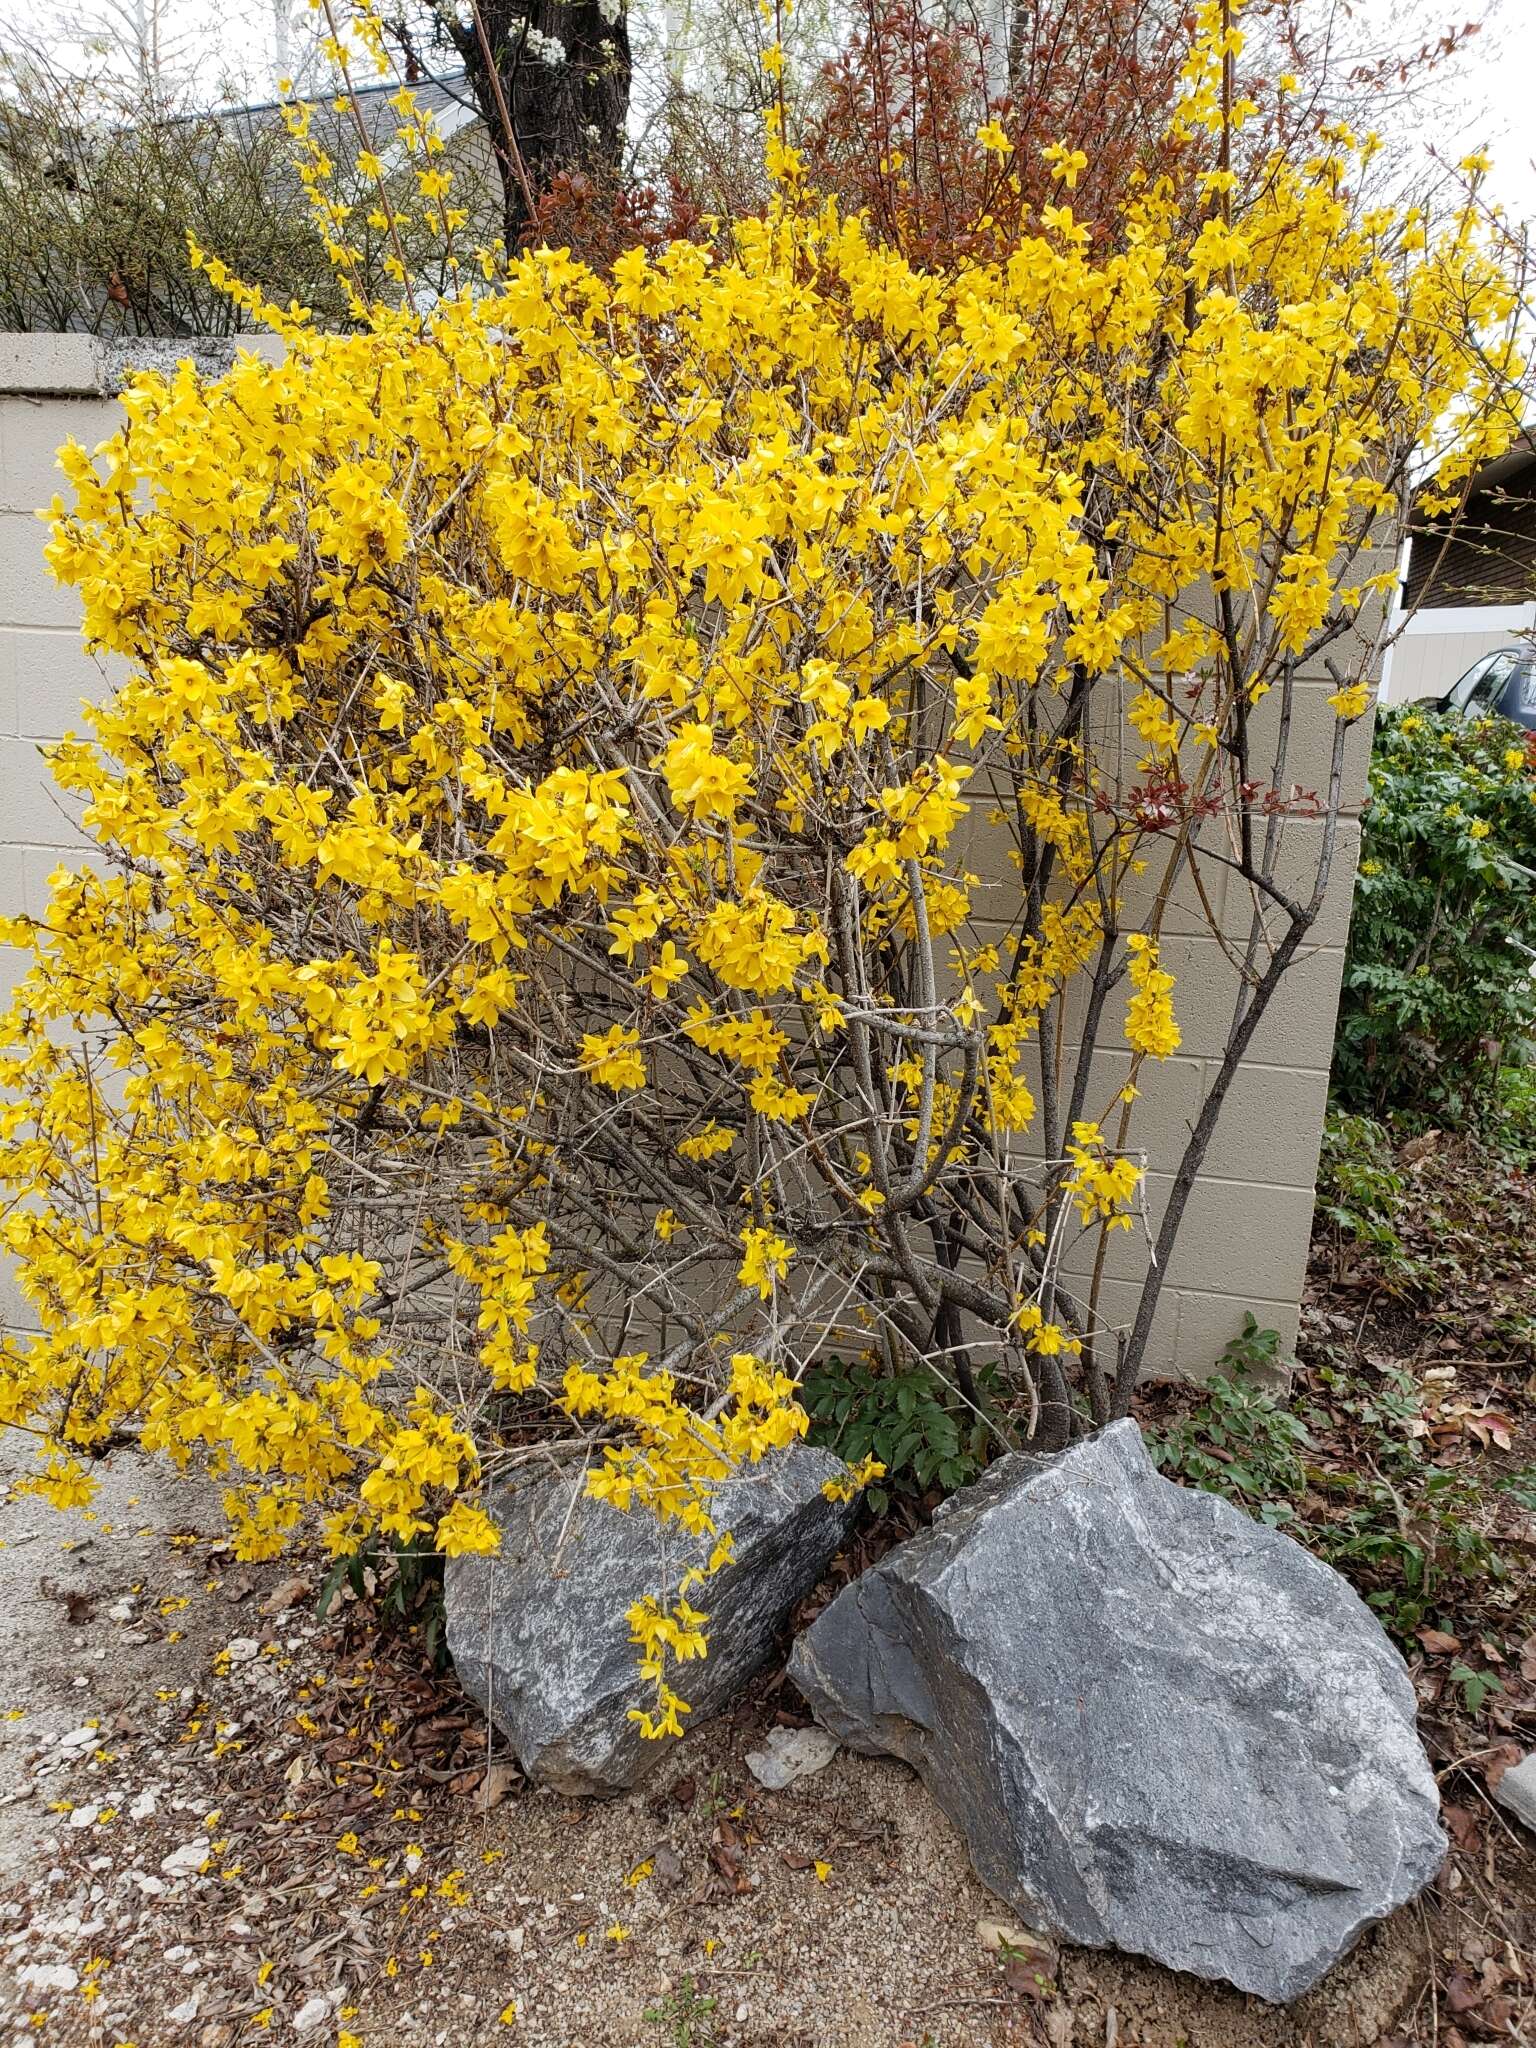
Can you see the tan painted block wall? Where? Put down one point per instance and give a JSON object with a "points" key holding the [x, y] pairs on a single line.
{"points": [[1244, 1243]]}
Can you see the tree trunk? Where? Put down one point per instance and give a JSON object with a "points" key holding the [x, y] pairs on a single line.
{"points": [[561, 71]]}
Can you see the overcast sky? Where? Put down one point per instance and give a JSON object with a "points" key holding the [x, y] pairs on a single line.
{"points": [[1504, 78], [1494, 101]]}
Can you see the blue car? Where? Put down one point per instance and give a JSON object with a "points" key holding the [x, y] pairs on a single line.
{"points": [[1503, 683]]}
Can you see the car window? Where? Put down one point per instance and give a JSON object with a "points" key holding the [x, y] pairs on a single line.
{"points": [[1461, 690], [1483, 683], [1526, 695]]}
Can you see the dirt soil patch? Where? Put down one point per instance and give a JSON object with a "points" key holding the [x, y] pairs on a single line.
{"points": [[229, 1822]]}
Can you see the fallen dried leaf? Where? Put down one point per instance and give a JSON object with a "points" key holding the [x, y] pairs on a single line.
{"points": [[1461, 1826], [1461, 1994], [496, 1781], [1438, 1643], [1503, 1759], [1027, 1978]]}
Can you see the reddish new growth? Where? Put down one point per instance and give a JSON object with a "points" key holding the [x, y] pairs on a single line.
{"points": [[599, 218], [895, 133]]}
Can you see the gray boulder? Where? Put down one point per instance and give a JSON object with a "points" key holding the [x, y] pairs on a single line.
{"points": [[539, 1633], [1516, 1790], [1160, 1726]]}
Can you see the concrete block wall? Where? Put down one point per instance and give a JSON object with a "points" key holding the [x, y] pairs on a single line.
{"points": [[52, 388], [1244, 1238], [1244, 1243]]}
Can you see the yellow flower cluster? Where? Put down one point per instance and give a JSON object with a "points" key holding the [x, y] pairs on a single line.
{"points": [[1102, 1184], [604, 792], [1149, 1021]]}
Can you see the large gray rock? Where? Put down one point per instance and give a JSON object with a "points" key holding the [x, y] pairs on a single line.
{"points": [[1516, 1790], [1160, 1726], [539, 1633]]}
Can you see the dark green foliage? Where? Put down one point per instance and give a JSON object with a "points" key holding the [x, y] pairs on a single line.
{"points": [[405, 1584], [919, 1430], [1361, 1190], [1438, 994], [1335, 1461], [1242, 1441]]}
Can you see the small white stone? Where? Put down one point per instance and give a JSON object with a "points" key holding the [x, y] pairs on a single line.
{"points": [[314, 2012], [48, 1977], [84, 1816], [790, 1753], [187, 1860], [243, 1650], [142, 1807]]}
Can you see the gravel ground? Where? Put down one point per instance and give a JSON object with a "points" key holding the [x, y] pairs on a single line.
{"points": [[230, 1822]]}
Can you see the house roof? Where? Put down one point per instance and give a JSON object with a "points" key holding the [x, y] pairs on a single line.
{"points": [[444, 95], [1486, 555]]}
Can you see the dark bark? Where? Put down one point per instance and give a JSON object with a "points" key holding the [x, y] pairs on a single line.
{"points": [[567, 115]]}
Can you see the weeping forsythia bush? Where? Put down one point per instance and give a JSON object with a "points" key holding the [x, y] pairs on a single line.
{"points": [[625, 790]]}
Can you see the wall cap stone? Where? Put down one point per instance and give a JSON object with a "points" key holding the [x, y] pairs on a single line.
{"points": [[85, 366]]}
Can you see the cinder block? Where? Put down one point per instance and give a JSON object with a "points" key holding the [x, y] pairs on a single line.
{"points": [[1208, 1323], [1296, 1029], [213, 356], [1200, 893], [32, 431], [1117, 1306], [10, 683], [1270, 1127], [1295, 872], [1251, 1237], [60, 364], [1309, 744], [33, 810], [1169, 1100], [55, 677], [28, 594]]}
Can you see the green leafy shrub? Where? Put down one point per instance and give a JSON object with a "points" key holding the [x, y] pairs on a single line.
{"points": [[1335, 1462], [1512, 1120], [404, 1583], [1362, 1192], [1242, 1441], [1438, 993], [911, 1421]]}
